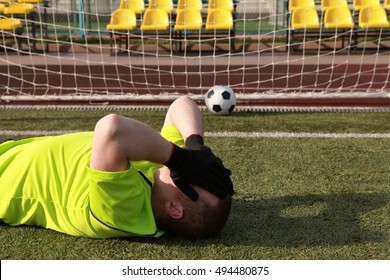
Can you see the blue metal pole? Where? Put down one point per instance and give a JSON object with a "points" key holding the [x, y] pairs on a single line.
{"points": [[81, 19]]}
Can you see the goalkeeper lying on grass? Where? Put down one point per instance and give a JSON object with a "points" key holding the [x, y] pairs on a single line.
{"points": [[124, 179]]}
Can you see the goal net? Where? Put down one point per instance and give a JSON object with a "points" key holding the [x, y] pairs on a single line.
{"points": [[66, 52]]}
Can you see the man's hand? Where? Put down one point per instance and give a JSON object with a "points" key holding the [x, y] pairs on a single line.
{"points": [[196, 142], [199, 167]]}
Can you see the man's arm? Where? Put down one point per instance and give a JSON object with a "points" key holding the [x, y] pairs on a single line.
{"points": [[117, 140], [185, 116]]}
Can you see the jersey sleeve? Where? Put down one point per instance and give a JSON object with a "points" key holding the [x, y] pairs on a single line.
{"points": [[121, 201], [171, 133]]}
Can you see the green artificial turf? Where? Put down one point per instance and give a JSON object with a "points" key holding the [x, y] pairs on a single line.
{"points": [[296, 198]]}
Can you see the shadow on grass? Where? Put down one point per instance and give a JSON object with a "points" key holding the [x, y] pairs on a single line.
{"points": [[309, 220], [282, 222]]}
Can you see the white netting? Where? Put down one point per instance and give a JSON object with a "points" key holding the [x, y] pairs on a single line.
{"points": [[64, 51]]}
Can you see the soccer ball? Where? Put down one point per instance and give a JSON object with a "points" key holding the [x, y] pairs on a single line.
{"points": [[220, 100]]}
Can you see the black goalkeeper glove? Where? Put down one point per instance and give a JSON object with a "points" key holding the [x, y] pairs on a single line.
{"points": [[201, 167], [196, 142]]}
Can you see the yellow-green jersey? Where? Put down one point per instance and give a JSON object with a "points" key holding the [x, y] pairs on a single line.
{"points": [[47, 181]]}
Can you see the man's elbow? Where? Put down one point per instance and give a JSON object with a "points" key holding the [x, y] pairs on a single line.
{"points": [[108, 126]]}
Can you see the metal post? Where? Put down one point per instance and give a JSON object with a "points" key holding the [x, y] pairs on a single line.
{"points": [[81, 19]]}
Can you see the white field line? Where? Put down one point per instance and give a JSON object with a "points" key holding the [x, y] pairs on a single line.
{"points": [[237, 134], [296, 135]]}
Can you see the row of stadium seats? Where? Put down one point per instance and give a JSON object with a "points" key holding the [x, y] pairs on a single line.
{"points": [[10, 11], [338, 15], [338, 19], [164, 17], [15, 16], [325, 4], [139, 5], [158, 14]]}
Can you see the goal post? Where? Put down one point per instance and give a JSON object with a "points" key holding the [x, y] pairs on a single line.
{"points": [[65, 54]]}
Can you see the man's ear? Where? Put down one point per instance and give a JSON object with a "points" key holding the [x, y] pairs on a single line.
{"points": [[174, 209]]}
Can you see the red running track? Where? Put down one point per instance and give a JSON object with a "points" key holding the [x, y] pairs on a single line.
{"points": [[103, 80]]}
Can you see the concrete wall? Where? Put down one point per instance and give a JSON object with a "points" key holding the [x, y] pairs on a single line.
{"points": [[255, 6]]}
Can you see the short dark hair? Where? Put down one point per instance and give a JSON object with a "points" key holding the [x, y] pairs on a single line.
{"points": [[200, 219]]}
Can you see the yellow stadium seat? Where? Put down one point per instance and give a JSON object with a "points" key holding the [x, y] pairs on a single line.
{"points": [[221, 4], [301, 4], [387, 4], [358, 5], [30, 1], [373, 17], [219, 19], [166, 5], [305, 18], [189, 4], [22, 10], [325, 4], [19, 9], [188, 19], [10, 24], [2, 7], [338, 17], [155, 20], [122, 20], [138, 6]]}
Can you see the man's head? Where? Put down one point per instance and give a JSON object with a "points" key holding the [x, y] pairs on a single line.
{"points": [[180, 216]]}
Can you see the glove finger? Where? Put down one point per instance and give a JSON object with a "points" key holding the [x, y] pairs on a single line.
{"points": [[212, 187], [218, 164], [219, 184], [224, 184], [206, 149], [186, 189], [222, 181]]}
